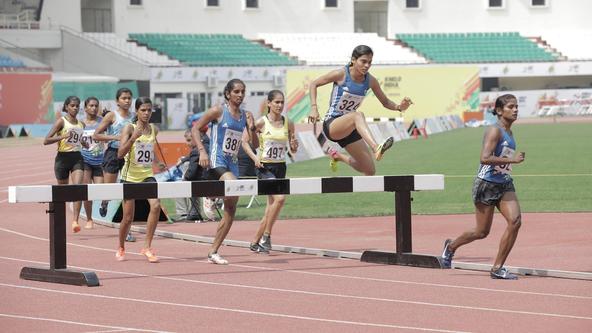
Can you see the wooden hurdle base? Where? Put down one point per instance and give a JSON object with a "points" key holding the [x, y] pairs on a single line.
{"points": [[403, 259], [64, 276]]}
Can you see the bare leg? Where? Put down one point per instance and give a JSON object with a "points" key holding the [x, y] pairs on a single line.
{"points": [[275, 203], [344, 125], [87, 179], [360, 158], [152, 221], [510, 209], [227, 218], [129, 206], [264, 219], [484, 218]]}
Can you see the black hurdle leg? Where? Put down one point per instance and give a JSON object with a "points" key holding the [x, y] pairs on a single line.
{"points": [[403, 256], [58, 272]]}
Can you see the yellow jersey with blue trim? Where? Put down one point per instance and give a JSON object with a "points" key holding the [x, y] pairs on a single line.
{"points": [[74, 141], [273, 142], [138, 161]]}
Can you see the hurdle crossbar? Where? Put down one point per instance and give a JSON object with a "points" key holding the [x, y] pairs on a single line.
{"points": [[58, 195]]}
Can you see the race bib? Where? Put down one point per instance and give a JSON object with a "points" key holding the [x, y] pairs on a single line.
{"points": [[505, 169], [349, 103], [94, 146], [274, 151], [75, 139], [232, 142], [144, 153]]}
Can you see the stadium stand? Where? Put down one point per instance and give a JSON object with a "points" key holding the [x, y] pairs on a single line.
{"points": [[6, 61], [477, 47], [336, 48], [114, 42], [573, 44], [213, 49]]}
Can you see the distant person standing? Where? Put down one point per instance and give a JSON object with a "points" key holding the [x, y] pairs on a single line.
{"points": [[113, 123], [342, 123], [67, 132], [493, 187], [92, 154], [276, 139]]}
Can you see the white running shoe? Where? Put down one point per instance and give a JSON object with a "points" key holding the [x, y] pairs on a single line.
{"points": [[217, 259]]}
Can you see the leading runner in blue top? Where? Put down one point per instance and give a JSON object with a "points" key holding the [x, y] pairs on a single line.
{"points": [[342, 123], [230, 127], [493, 187]]}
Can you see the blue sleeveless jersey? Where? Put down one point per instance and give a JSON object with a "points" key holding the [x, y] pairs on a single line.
{"points": [[93, 155], [117, 127], [506, 147], [348, 96], [225, 140]]}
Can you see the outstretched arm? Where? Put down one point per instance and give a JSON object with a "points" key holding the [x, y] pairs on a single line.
{"points": [[386, 102], [333, 76]]}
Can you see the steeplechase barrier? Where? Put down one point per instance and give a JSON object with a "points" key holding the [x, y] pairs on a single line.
{"points": [[57, 196]]}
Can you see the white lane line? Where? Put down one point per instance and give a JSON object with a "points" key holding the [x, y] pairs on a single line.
{"points": [[216, 308], [312, 293], [541, 175], [428, 284], [26, 175], [113, 328]]}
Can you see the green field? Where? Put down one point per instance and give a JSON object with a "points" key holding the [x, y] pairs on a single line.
{"points": [[555, 177]]}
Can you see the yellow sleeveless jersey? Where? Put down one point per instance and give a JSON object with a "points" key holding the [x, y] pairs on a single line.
{"points": [[74, 142], [273, 142], [138, 162]]}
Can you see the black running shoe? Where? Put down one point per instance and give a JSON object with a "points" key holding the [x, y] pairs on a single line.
{"points": [[447, 255], [255, 247], [130, 237], [103, 209], [265, 243]]}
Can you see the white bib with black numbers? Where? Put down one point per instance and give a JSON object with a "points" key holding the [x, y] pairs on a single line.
{"points": [[75, 139], [274, 151], [349, 102], [143, 153], [232, 142], [505, 169], [93, 145]]}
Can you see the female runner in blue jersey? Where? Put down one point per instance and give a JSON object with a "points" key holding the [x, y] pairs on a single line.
{"points": [[230, 127], [342, 124], [493, 187]]}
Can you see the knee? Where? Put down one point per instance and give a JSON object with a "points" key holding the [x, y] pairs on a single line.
{"points": [[516, 223], [155, 208], [480, 234], [280, 200], [370, 172], [230, 204]]}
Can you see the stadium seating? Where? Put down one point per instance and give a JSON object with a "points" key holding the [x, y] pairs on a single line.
{"points": [[573, 44], [6, 61], [476, 47], [114, 42], [336, 48], [213, 50]]}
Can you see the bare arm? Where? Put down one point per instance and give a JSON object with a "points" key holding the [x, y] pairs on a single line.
{"points": [[212, 114], [492, 136], [386, 102], [105, 123], [248, 150], [128, 137], [293, 142], [51, 136], [333, 76]]}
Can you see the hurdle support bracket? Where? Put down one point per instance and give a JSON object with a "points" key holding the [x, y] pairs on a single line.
{"points": [[402, 259], [57, 271]]}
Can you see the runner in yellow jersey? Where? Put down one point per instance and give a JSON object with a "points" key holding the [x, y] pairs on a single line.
{"points": [[137, 146], [67, 131], [276, 138]]}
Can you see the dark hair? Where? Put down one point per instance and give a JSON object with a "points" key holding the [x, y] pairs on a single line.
{"points": [[501, 101], [231, 85], [359, 51], [121, 91], [272, 94], [92, 98], [69, 100]]}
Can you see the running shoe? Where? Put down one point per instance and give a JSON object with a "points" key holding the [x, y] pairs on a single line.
{"points": [[103, 208], [265, 242], [447, 254], [217, 259], [130, 237], [388, 143], [257, 248], [120, 254], [75, 227], [502, 273], [149, 253]]}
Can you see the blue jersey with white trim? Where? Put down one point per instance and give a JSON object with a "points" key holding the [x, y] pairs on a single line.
{"points": [[226, 138], [348, 96], [505, 147], [117, 126]]}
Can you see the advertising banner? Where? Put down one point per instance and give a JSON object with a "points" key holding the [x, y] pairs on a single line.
{"points": [[25, 98]]}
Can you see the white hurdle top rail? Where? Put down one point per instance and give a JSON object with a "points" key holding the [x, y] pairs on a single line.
{"points": [[215, 188]]}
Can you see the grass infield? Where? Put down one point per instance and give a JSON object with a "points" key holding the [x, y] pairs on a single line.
{"points": [[556, 175]]}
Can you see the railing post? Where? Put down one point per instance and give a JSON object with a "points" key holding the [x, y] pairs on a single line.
{"points": [[403, 221], [57, 235]]}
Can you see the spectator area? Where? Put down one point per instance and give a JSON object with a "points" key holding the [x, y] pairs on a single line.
{"points": [[213, 50], [125, 47], [573, 44], [336, 48], [476, 47], [6, 61]]}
